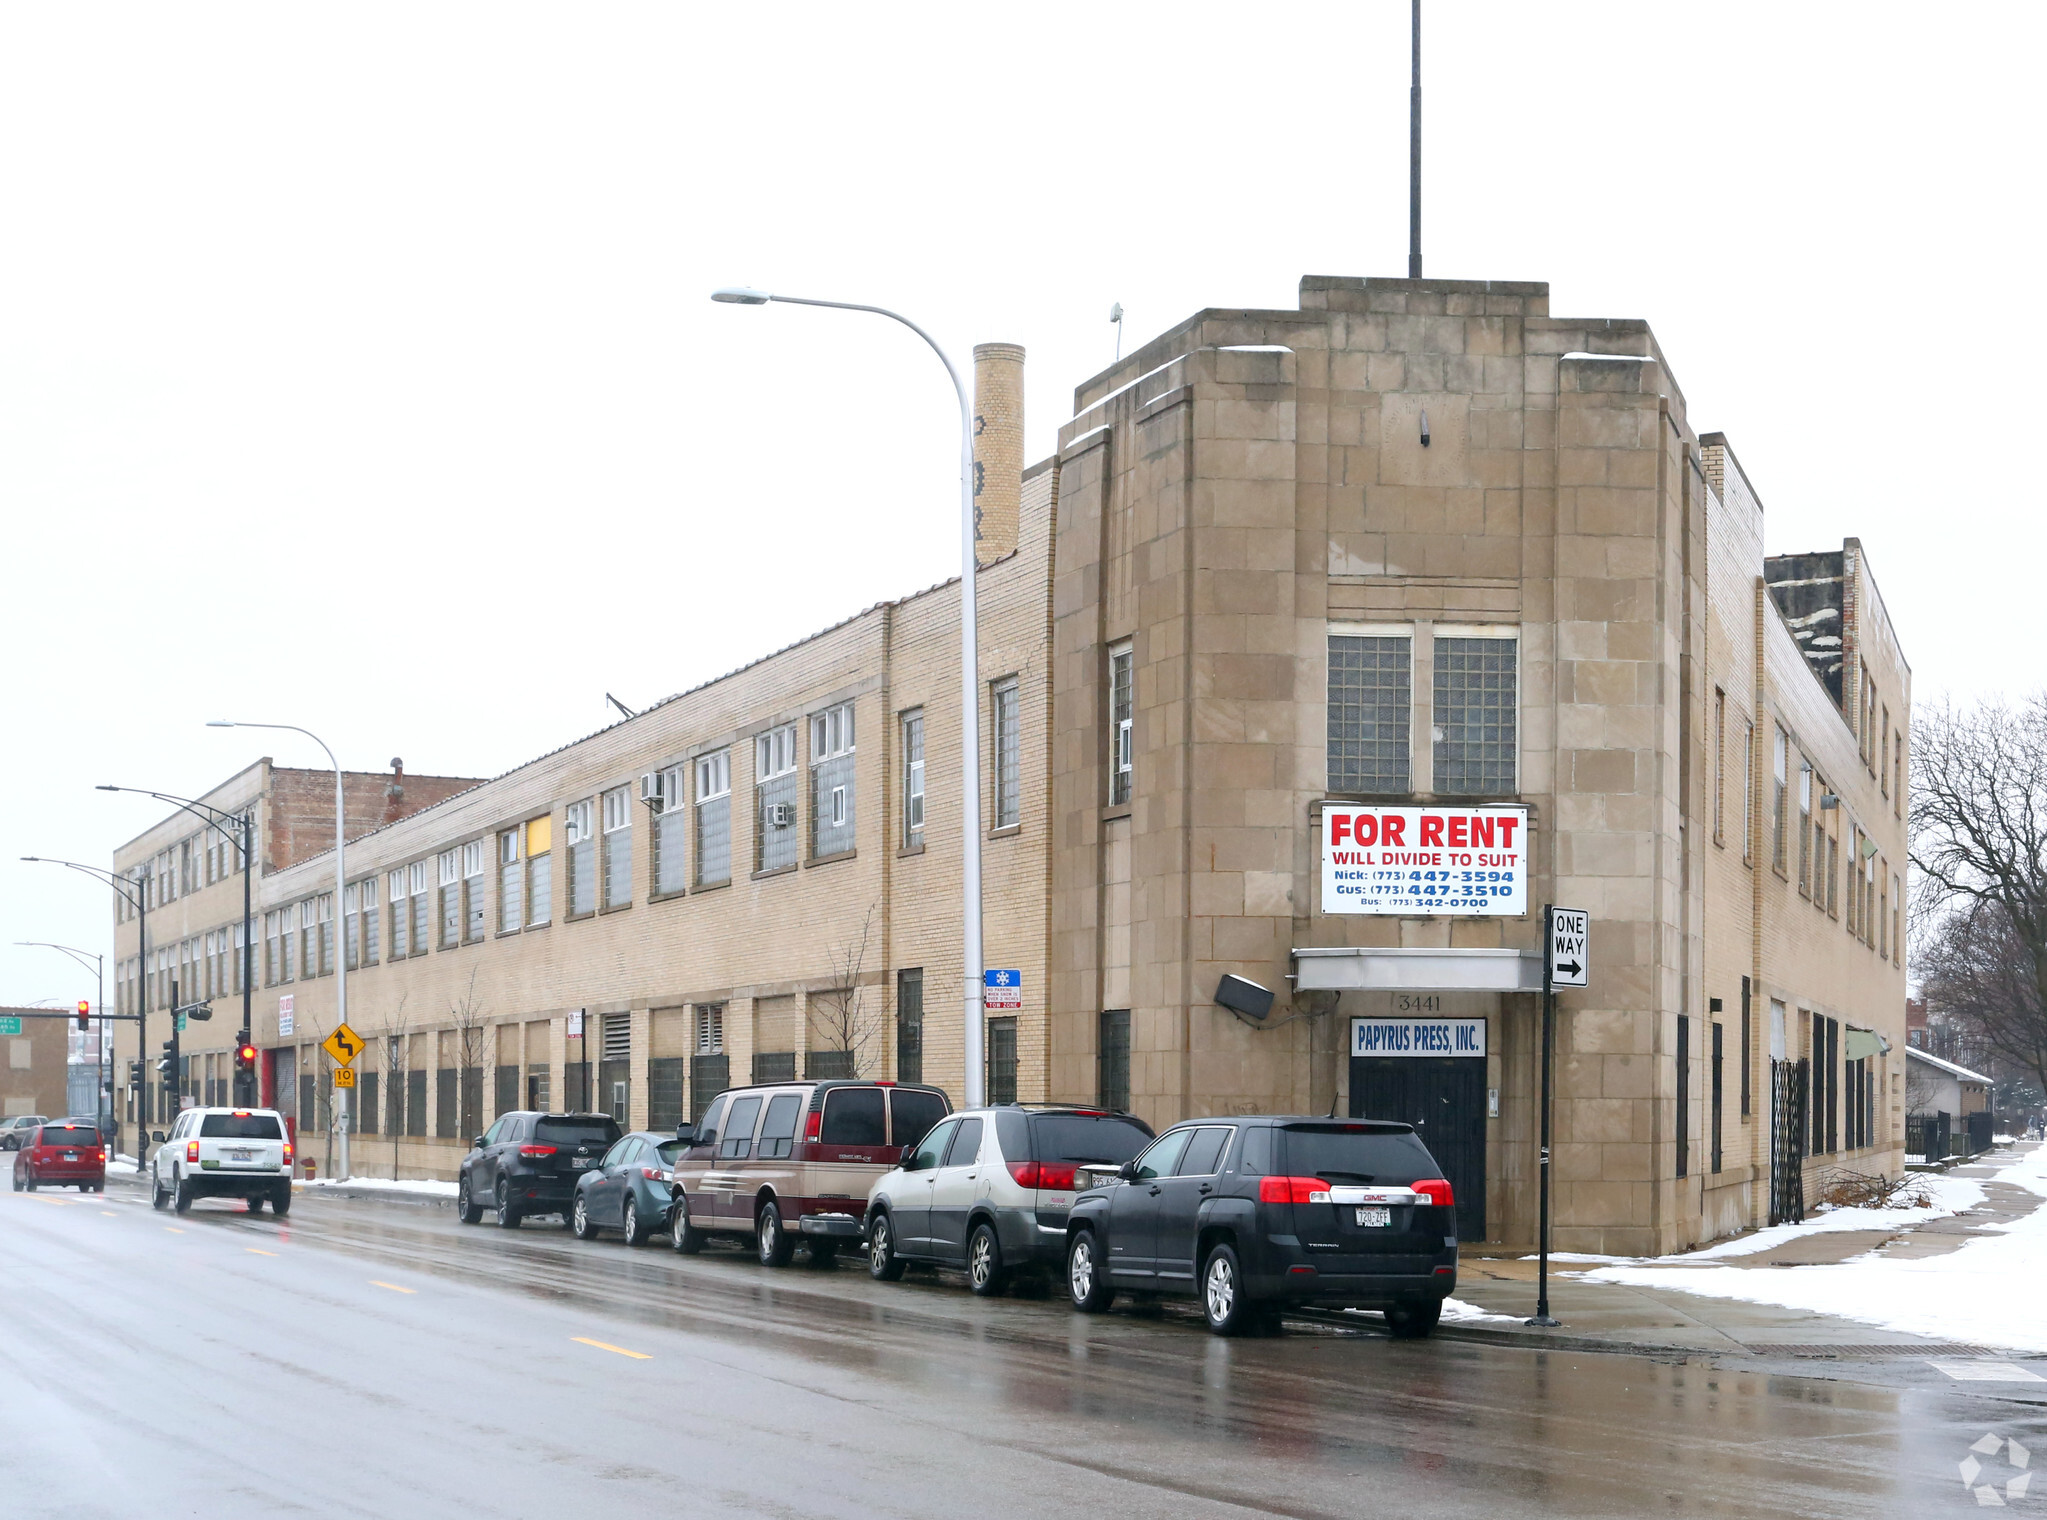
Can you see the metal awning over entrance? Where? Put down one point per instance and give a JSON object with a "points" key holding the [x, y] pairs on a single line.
{"points": [[1354, 969]]}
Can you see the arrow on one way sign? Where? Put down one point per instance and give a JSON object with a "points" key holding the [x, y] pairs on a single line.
{"points": [[1569, 929]]}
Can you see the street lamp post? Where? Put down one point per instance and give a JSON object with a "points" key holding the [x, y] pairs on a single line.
{"points": [[105, 1062], [970, 681], [246, 820], [341, 1094], [138, 899]]}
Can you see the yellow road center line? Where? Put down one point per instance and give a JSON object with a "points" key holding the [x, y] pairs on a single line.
{"points": [[109, 1213], [254, 1252], [638, 1356], [173, 1229], [375, 1284]]}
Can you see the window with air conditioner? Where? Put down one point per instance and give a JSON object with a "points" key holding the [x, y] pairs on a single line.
{"points": [[671, 832], [775, 842]]}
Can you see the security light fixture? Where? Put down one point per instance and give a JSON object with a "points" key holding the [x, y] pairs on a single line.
{"points": [[1425, 427], [741, 295]]}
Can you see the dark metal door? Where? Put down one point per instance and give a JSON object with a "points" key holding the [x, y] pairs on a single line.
{"points": [[1445, 1100], [1788, 1092]]}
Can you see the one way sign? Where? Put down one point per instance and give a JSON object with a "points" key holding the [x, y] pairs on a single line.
{"points": [[1569, 929]]}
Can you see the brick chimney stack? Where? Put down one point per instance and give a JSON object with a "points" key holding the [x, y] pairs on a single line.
{"points": [[998, 448], [394, 794]]}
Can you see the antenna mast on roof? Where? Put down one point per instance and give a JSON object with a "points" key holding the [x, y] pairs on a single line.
{"points": [[1414, 154]]}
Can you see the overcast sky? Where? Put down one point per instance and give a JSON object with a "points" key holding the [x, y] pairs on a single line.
{"points": [[356, 369]]}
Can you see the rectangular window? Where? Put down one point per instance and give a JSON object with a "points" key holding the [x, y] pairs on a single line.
{"points": [[417, 872], [1719, 1033], [1883, 915], [1684, 1094], [618, 847], [1005, 716], [1780, 823], [1122, 724], [351, 927], [775, 840], [671, 831], [1112, 1061], [1002, 1061], [511, 887], [1748, 791], [913, 779], [1897, 920], [401, 941], [1883, 769], [1371, 709], [1898, 774], [580, 831], [1834, 875], [539, 870], [473, 903], [1805, 827], [1475, 717], [710, 1029], [369, 921], [1853, 922], [831, 781], [287, 936], [714, 818], [910, 1024], [449, 870], [326, 934]]}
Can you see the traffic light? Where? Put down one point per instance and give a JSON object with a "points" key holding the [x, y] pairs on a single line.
{"points": [[166, 1064], [84, 1014], [135, 1072], [245, 1057]]}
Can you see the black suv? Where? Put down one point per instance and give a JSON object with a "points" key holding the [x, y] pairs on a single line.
{"points": [[528, 1163], [1253, 1214]]}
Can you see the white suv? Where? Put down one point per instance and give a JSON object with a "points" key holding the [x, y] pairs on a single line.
{"points": [[224, 1153], [989, 1189]]}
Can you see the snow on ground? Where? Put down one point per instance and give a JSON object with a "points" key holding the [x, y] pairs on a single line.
{"points": [[1985, 1293], [387, 1185]]}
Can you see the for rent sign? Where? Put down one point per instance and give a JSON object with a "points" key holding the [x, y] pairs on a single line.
{"points": [[1422, 861]]}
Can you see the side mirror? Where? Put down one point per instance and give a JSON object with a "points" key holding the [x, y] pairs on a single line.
{"points": [[157, 1137], [477, 1143], [686, 1133], [1128, 1171]]}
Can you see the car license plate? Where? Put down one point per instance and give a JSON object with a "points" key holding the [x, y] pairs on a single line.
{"points": [[241, 1155], [71, 1155], [1375, 1219]]}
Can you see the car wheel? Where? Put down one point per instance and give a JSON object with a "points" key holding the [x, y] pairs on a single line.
{"points": [[883, 1265], [823, 1252], [158, 1198], [985, 1272], [683, 1235], [17, 1179], [255, 1203], [183, 1199], [774, 1244], [1086, 1281], [467, 1209], [629, 1224], [1413, 1320], [1224, 1303], [579, 1222], [29, 1186], [280, 1201], [508, 1217]]}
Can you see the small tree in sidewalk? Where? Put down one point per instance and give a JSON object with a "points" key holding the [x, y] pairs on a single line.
{"points": [[842, 1022], [472, 1035]]}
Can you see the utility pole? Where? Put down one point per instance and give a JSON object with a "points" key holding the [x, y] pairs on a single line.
{"points": [[1414, 154]]}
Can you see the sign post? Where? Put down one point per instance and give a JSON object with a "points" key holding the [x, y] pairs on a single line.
{"points": [[1565, 934]]}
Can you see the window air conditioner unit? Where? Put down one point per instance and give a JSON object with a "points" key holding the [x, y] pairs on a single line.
{"points": [[781, 815], [650, 789]]}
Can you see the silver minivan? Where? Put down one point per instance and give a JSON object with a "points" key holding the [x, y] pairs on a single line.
{"points": [[989, 1189]]}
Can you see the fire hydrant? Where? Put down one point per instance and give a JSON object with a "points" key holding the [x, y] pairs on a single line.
{"points": [[312, 1168]]}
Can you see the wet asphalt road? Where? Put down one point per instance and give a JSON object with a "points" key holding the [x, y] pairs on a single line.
{"points": [[383, 1360]]}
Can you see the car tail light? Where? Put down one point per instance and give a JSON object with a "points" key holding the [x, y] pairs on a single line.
{"points": [[105, 1155], [654, 1174], [1437, 1191], [1039, 1174], [536, 1150], [1292, 1190], [814, 1127], [287, 1153], [191, 1150]]}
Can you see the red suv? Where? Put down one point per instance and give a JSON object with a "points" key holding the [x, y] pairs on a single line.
{"points": [[62, 1153]]}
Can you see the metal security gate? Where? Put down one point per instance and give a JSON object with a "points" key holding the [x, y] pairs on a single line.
{"points": [[1445, 1100], [1788, 1089]]}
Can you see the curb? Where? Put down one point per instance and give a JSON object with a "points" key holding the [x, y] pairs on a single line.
{"points": [[374, 1195]]}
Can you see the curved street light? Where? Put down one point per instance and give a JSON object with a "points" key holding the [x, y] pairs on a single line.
{"points": [[106, 1061], [970, 677], [341, 1094], [130, 890]]}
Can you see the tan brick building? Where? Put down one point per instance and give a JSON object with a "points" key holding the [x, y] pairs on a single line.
{"points": [[1416, 545]]}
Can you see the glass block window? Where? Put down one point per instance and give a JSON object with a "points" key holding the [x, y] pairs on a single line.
{"points": [[831, 781], [671, 824], [913, 778], [1002, 1060], [1005, 715], [1371, 702], [511, 890], [1122, 724], [580, 830], [1113, 1061], [1475, 717], [714, 818], [618, 846], [910, 1024], [774, 814], [473, 904]]}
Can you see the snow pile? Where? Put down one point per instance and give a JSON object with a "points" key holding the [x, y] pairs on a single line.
{"points": [[1456, 1310], [1985, 1293], [386, 1185]]}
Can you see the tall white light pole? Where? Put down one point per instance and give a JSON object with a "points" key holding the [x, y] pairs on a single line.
{"points": [[342, 1095], [970, 682]]}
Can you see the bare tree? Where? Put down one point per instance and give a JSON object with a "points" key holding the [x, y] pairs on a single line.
{"points": [[396, 1045], [1979, 845], [471, 1036], [843, 1019]]}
